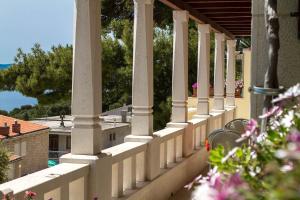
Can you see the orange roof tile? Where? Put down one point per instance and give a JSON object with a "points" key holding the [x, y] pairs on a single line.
{"points": [[26, 126], [14, 157]]}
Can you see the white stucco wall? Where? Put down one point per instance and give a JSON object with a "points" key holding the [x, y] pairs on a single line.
{"points": [[289, 54]]}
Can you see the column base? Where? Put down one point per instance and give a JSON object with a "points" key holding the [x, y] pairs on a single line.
{"points": [[142, 123], [203, 107], [86, 141], [218, 103]]}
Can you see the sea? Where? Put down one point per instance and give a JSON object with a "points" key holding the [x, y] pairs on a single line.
{"points": [[13, 99]]}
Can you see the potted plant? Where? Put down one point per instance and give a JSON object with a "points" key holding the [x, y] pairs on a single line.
{"points": [[195, 86], [239, 85]]}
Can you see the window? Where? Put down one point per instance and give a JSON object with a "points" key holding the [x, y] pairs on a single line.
{"points": [[20, 148], [68, 145], [17, 149], [53, 142], [110, 137], [23, 148]]}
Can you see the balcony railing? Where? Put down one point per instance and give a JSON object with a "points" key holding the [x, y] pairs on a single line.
{"points": [[148, 165], [128, 165]]}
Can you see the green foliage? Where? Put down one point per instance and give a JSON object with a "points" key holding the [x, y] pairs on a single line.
{"points": [[3, 112], [270, 165], [29, 112], [39, 74], [123, 10], [4, 163]]}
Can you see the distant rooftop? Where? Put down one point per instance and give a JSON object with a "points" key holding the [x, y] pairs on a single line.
{"points": [[54, 123], [26, 127]]}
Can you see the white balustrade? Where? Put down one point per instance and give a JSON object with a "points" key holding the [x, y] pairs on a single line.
{"points": [[216, 121], [171, 146], [199, 132], [62, 182], [128, 166], [229, 114]]}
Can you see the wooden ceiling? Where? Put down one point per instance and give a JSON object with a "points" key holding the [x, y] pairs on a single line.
{"points": [[232, 17]]}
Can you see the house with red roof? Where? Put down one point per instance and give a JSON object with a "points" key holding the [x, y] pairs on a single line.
{"points": [[27, 143]]}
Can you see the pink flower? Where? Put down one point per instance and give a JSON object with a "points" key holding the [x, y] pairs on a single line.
{"points": [[29, 195], [291, 93], [251, 128], [195, 85], [294, 136], [276, 110], [226, 189]]}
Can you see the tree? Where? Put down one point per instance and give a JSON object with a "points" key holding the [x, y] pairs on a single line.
{"points": [[4, 162], [45, 76]]}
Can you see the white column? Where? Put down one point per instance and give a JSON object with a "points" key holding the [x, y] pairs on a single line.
{"points": [[219, 72], [180, 67], [230, 78], [203, 69], [142, 84], [86, 89]]}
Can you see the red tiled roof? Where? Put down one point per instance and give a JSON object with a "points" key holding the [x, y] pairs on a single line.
{"points": [[26, 126], [14, 157]]}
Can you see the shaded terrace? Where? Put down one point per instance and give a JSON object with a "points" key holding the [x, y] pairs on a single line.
{"points": [[148, 165]]}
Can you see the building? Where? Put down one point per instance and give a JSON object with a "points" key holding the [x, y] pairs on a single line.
{"points": [[114, 131], [28, 144]]}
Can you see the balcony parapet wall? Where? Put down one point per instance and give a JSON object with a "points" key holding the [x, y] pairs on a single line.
{"points": [[124, 167]]}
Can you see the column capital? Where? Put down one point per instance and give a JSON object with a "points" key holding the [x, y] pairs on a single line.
{"points": [[144, 1], [203, 28], [220, 36], [181, 15], [231, 43]]}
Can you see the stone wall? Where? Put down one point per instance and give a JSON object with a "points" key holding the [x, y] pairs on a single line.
{"points": [[289, 54], [35, 157]]}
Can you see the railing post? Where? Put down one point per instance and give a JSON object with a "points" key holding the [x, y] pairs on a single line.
{"points": [[142, 85], [219, 72], [203, 69], [230, 79], [86, 89]]}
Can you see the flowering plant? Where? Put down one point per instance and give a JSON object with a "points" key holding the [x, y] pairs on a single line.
{"points": [[269, 167], [239, 84], [195, 85], [29, 195]]}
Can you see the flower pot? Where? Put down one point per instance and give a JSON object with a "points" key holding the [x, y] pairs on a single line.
{"points": [[194, 92], [211, 91], [238, 92]]}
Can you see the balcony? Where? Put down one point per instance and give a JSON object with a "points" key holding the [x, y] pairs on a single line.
{"points": [[147, 161]]}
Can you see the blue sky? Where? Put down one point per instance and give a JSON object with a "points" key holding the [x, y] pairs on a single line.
{"points": [[25, 22]]}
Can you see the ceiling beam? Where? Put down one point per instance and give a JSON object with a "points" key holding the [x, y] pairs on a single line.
{"points": [[216, 1], [216, 10], [222, 5], [179, 4]]}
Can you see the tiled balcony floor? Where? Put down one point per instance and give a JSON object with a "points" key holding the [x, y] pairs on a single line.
{"points": [[185, 194]]}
